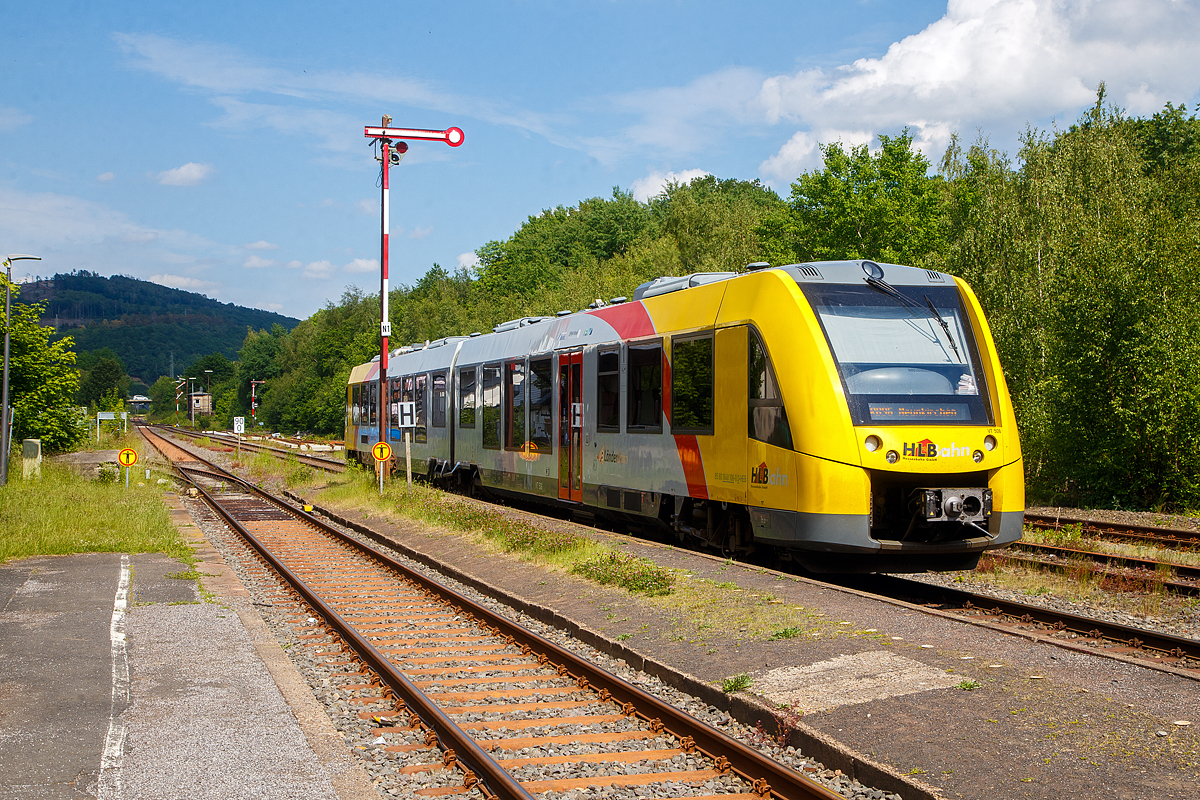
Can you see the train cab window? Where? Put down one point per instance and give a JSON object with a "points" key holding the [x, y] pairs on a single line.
{"points": [[355, 399], [541, 406], [514, 405], [437, 401], [466, 398], [491, 407], [420, 432], [608, 388], [768, 419], [692, 385], [644, 389]]}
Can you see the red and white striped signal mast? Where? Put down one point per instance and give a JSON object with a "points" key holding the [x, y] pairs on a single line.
{"points": [[390, 156]]}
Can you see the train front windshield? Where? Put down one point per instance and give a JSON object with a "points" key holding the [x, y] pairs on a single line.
{"points": [[908, 357]]}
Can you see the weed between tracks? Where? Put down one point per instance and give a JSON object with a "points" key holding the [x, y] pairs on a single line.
{"points": [[543, 545], [63, 513]]}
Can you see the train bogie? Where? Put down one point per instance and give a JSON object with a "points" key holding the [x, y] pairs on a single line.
{"points": [[849, 415]]}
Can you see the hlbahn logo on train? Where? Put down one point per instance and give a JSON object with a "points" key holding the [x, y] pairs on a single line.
{"points": [[762, 476], [928, 451]]}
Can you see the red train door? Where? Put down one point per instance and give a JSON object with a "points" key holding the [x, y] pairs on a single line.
{"points": [[570, 426]]}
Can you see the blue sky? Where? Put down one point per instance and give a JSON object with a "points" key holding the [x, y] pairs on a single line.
{"points": [[218, 147]]}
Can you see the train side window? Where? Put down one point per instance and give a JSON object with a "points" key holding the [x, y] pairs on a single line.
{"points": [[541, 406], [644, 389], [466, 398], [514, 405], [437, 403], [768, 418], [355, 409], [491, 407], [420, 432], [394, 402], [608, 388], [692, 385], [372, 402]]}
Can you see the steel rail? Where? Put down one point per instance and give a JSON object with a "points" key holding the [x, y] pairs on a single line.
{"points": [[327, 464], [1090, 627], [1166, 537], [463, 747], [1145, 569], [784, 782]]}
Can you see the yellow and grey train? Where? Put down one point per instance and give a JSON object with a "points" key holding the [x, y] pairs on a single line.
{"points": [[849, 415]]}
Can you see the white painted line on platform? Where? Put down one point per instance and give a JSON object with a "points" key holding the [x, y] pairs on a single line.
{"points": [[109, 783], [850, 679]]}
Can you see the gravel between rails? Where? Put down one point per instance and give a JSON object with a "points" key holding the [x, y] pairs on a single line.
{"points": [[386, 765]]}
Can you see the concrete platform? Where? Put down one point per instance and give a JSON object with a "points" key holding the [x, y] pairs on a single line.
{"points": [[118, 680]]}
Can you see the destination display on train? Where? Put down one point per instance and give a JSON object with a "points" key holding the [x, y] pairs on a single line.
{"points": [[920, 411]]}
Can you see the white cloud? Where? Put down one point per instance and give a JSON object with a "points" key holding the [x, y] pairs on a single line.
{"points": [[369, 206], [802, 152], [258, 262], [996, 64], [189, 174], [12, 118], [271, 306], [363, 265], [261, 245], [653, 184], [467, 260], [294, 264], [183, 282], [226, 72], [420, 233], [105, 177], [319, 270]]}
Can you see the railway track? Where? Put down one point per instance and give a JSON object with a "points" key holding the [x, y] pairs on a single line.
{"points": [[1114, 531], [476, 703], [327, 464], [1124, 571], [1075, 630]]}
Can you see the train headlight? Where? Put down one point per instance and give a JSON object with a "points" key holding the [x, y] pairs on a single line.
{"points": [[892, 456], [872, 443], [989, 442], [977, 456]]}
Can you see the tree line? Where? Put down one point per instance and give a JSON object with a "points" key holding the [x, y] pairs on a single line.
{"points": [[1082, 248]]}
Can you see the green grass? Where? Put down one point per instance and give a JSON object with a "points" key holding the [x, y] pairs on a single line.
{"points": [[787, 633], [62, 513], [968, 685], [738, 683], [629, 572]]}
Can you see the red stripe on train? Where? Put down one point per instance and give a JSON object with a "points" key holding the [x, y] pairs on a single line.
{"points": [[629, 320], [693, 464]]}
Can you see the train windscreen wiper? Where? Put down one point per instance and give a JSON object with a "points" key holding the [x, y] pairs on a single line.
{"points": [[881, 285]]}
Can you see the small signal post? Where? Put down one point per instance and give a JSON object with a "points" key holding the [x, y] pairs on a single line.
{"points": [[390, 155]]}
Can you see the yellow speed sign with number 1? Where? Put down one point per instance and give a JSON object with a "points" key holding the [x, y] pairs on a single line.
{"points": [[127, 457], [382, 451]]}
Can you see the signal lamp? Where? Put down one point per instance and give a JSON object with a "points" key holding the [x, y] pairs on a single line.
{"points": [[989, 442], [892, 456], [872, 443], [977, 456]]}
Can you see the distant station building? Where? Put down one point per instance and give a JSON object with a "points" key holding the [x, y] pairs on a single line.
{"points": [[139, 403], [201, 402]]}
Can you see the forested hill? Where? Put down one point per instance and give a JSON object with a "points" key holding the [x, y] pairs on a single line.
{"points": [[143, 322]]}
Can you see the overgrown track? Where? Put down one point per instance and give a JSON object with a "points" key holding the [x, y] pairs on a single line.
{"points": [[1115, 531], [1153, 649], [327, 464], [467, 689], [1123, 571]]}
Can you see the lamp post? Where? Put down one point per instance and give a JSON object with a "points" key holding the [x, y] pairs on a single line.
{"points": [[5, 444]]}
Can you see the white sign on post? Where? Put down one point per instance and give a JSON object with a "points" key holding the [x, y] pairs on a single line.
{"points": [[408, 420], [408, 415], [239, 424]]}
